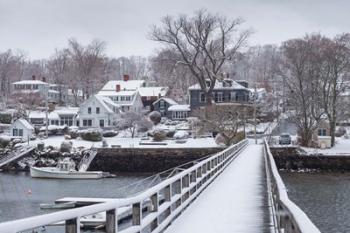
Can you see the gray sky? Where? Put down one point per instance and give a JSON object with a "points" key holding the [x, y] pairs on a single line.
{"points": [[39, 26]]}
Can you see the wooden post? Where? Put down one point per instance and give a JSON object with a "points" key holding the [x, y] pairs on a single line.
{"points": [[155, 204], [73, 225], [167, 193], [136, 214], [111, 221]]}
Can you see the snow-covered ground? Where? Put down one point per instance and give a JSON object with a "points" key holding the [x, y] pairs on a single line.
{"points": [[129, 142], [342, 147]]}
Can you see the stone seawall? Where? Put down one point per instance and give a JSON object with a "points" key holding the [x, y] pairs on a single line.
{"points": [[294, 159], [146, 159]]}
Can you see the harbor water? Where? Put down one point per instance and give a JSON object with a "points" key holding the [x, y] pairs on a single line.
{"points": [[324, 197], [21, 195]]}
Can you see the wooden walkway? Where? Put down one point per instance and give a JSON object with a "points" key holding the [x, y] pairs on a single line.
{"points": [[236, 201]]}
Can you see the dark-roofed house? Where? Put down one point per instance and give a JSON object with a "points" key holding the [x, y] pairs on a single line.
{"points": [[225, 91], [162, 106]]}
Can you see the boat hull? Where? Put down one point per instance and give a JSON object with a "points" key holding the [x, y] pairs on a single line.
{"points": [[53, 173]]}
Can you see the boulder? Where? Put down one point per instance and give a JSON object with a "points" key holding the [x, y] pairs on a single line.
{"points": [[66, 146]]}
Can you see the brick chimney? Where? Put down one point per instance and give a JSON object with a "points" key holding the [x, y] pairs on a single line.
{"points": [[126, 77], [117, 88], [43, 79], [33, 77]]}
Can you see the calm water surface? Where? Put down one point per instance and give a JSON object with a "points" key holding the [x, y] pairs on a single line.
{"points": [[324, 197], [17, 202]]}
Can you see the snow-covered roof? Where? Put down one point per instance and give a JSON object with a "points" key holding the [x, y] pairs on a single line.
{"points": [[153, 91], [179, 107], [124, 85], [54, 91], [53, 115], [39, 82], [220, 85], [25, 123], [114, 93], [168, 100], [36, 114], [67, 110], [103, 101]]}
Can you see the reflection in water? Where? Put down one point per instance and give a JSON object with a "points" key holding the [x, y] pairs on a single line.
{"points": [[324, 197]]}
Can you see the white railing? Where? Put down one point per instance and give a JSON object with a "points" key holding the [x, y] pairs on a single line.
{"points": [[287, 216], [177, 193]]}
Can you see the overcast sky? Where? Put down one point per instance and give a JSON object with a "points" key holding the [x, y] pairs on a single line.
{"points": [[39, 26]]}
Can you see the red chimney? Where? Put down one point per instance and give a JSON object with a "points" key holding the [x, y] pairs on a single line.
{"points": [[33, 77], [126, 77], [44, 79], [117, 88]]}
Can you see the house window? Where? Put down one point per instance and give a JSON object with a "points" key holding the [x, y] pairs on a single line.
{"points": [[66, 120], [202, 97], [233, 96], [97, 110], [102, 123], [89, 110], [15, 132], [322, 132], [218, 97], [87, 122], [20, 132], [162, 104], [128, 98]]}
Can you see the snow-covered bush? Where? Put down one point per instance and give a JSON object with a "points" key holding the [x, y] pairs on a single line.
{"points": [[181, 134], [170, 133], [4, 141], [159, 135], [155, 117], [93, 135], [66, 146]]}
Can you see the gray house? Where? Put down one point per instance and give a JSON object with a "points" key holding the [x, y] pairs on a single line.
{"points": [[162, 105], [225, 91]]}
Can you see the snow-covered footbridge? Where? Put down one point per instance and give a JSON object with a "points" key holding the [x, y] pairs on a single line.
{"points": [[236, 190]]}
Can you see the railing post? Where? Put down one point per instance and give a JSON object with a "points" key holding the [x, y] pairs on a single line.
{"points": [[73, 225], [167, 193], [136, 214], [111, 221], [155, 204]]}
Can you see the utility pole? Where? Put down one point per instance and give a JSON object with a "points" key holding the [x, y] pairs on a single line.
{"points": [[255, 96], [46, 111]]}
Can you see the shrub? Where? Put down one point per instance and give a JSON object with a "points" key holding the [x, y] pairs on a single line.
{"points": [[155, 117], [170, 133], [5, 118], [110, 133], [66, 146], [4, 141], [159, 135], [340, 132], [91, 135]]}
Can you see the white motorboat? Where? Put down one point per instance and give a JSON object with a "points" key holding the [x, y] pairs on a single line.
{"points": [[65, 169], [66, 205]]}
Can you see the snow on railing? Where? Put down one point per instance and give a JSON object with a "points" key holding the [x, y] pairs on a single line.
{"points": [[177, 193], [288, 217]]}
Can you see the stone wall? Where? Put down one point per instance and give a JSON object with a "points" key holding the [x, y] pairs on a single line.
{"points": [[294, 159], [146, 160]]}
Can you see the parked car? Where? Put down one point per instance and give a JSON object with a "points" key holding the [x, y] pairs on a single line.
{"points": [[285, 139]]}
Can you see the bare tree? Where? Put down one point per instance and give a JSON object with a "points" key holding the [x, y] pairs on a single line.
{"points": [[88, 63], [302, 64], [205, 42], [58, 68], [336, 55], [133, 122], [10, 68], [225, 119]]}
